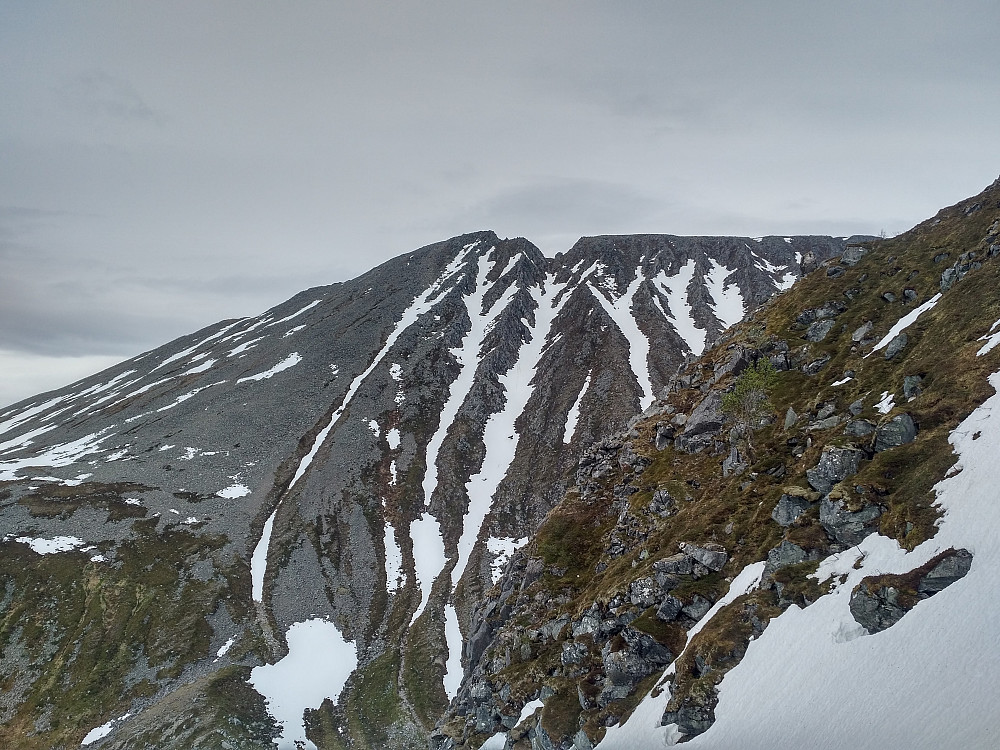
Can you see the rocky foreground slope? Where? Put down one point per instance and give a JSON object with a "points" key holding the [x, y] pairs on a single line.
{"points": [[832, 587], [345, 475]]}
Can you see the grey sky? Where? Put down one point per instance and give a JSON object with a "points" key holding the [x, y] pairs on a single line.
{"points": [[164, 166]]}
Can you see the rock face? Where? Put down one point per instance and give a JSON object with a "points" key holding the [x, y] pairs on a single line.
{"points": [[899, 430], [340, 441]]}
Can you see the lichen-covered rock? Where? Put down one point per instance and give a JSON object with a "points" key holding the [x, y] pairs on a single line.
{"points": [[859, 428], [782, 556]]}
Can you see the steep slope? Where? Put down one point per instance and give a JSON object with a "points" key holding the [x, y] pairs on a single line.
{"points": [[810, 591], [345, 474]]}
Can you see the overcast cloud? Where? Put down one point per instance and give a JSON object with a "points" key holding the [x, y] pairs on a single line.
{"points": [[167, 165]]}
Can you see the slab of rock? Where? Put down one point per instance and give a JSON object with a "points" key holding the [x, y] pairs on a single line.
{"points": [[845, 526], [814, 366], [835, 465], [876, 610], [852, 255], [789, 508], [899, 430], [790, 418], [912, 386]]}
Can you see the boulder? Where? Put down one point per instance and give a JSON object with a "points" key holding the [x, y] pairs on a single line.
{"points": [[814, 366], [912, 386], [782, 556], [669, 609], [818, 331], [644, 592], [845, 526], [706, 420], [713, 556], [789, 508], [852, 255], [895, 346], [835, 465], [790, 418], [899, 430], [862, 332], [889, 297], [698, 607], [876, 610]]}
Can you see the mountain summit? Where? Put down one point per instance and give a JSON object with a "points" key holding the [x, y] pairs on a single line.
{"points": [[478, 495]]}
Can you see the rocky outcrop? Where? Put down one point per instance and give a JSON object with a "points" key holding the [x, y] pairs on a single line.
{"points": [[879, 602]]}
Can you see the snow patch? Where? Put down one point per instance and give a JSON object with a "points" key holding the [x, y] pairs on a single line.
{"points": [[234, 491], [574, 412], [885, 404], [674, 288], [502, 548], [102, 731], [258, 560], [317, 666], [904, 322], [51, 546], [453, 667], [392, 437], [728, 304], [428, 556], [290, 361], [393, 559]]}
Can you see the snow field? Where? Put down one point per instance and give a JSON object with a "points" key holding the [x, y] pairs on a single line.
{"points": [[574, 412]]}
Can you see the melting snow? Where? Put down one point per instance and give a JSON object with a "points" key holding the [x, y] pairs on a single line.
{"points": [[841, 381], [991, 339], [574, 412], [943, 653], [296, 314], [468, 356], [204, 366], [674, 288], [224, 649], [258, 560], [428, 556], [290, 331], [51, 546], [234, 491], [373, 426], [56, 455], [499, 434], [102, 731], [728, 301], [905, 321], [244, 346], [290, 361], [392, 437], [181, 355], [317, 666], [885, 404], [182, 398]]}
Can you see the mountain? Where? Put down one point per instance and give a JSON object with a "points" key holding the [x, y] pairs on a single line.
{"points": [[481, 496], [363, 458]]}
